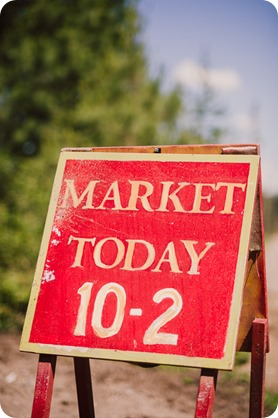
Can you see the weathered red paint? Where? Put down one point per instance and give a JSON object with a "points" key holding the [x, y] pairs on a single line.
{"points": [[44, 386], [254, 303], [258, 358], [206, 393], [112, 226]]}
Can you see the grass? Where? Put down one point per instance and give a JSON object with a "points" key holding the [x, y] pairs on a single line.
{"points": [[270, 402]]}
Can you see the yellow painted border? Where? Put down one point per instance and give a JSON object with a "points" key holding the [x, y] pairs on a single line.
{"points": [[226, 363]]}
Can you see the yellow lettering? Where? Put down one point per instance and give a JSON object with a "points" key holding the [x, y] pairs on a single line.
{"points": [[80, 248], [171, 259], [166, 195], [229, 200], [114, 190], [98, 255], [199, 198], [130, 253], [134, 195], [194, 257], [76, 201]]}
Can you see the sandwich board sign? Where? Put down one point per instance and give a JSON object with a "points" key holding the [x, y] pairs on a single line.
{"points": [[143, 258]]}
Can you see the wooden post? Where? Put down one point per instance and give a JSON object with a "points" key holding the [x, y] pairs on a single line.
{"points": [[258, 356], [84, 387], [206, 393], [44, 386]]}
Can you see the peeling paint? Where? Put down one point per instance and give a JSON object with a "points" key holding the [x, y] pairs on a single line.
{"points": [[48, 276], [55, 242], [56, 230]]}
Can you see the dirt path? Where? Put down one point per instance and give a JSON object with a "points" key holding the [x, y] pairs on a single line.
{"points": [[120, 390], [126, 391]]}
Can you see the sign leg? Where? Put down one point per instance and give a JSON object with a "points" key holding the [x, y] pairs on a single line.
{"points": [[44, 386], [259, 348], [206, 393], [84, 387]]}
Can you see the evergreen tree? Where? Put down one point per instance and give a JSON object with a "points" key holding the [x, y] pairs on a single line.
{"points": [[72, 74]]}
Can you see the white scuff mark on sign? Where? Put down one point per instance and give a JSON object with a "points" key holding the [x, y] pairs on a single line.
{"points": [[98, 224], [68, 349], [48, 276], [55, 242], [56, 230]]}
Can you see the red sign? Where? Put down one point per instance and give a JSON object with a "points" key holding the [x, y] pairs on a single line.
{"points": [[143, 258]]}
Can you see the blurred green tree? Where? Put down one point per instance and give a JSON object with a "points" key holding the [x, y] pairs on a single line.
{"points": [[72, 74]]}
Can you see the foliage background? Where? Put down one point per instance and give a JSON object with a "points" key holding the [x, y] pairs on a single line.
{"points": [[72, 74], [75, 74]]}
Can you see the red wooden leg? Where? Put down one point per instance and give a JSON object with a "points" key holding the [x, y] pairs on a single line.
{"points": [[259, 348], [44, 386], [84, 387], [206, 393]]}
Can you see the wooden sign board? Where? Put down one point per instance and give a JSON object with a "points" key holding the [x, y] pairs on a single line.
{"points": [[143, 258]]}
